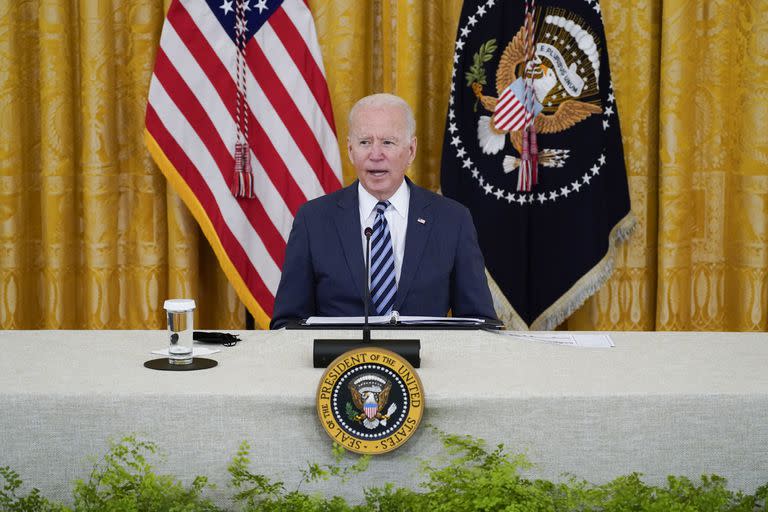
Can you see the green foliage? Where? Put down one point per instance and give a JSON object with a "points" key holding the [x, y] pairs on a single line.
{"points": [[315, 472], [252, 489], [257, 492], [476, 71], [468, 476], [11, 502], [125, 482], [350, 411]]}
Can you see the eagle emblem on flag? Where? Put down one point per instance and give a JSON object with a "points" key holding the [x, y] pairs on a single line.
{"points": [[565, 88], [533, 148]]}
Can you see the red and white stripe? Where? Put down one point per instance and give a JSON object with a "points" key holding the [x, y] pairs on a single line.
{"points": [[191, 114], [510, 113]]}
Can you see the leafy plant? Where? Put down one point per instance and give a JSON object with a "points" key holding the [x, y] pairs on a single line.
{"points": [[316, 472], [11, 502], [467, 476], [124, 481], [252, 489], [477, 479]]}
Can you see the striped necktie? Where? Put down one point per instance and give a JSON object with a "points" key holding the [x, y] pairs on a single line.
{"points": [[383, 283]]}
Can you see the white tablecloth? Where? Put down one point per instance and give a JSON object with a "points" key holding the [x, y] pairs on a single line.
{"points": [[657, 403]]}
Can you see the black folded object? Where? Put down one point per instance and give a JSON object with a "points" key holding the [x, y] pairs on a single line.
{"points": [[325, 351], [222, 338]]}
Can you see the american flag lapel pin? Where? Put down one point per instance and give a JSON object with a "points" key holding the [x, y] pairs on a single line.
{"points": [[421, 221]]}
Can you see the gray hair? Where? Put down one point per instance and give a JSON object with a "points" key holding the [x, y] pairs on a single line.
{"points": [[386, 100]]}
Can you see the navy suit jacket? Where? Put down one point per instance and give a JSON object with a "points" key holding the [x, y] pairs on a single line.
{"points": [[324, 268]]}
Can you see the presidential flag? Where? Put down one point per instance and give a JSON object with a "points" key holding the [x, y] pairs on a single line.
{"points": [[239, 120], [533, 148]]}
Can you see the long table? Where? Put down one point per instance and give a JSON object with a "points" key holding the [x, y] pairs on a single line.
{"points": [[656, 403]]}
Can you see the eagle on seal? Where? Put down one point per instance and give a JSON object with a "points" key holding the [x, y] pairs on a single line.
{"points": [[568, 113], [372, 408]]}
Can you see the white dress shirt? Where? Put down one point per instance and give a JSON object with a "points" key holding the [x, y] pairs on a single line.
{"points": [[397, 219]]}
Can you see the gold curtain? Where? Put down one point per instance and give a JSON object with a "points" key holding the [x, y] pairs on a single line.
{"points": [[91, 237], [691, 82]]}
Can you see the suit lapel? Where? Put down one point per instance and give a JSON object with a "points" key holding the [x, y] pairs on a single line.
{"points": [[420, 224], [347, 219]]}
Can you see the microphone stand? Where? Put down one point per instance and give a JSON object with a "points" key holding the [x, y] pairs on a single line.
{"points": [[367, 285], [325, 351]]}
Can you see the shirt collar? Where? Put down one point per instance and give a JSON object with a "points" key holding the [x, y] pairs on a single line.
{"points": [[399, 200]]}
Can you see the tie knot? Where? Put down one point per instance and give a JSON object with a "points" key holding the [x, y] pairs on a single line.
{"points": [[381, 206]]}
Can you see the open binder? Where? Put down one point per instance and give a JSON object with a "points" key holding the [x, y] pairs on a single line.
{"points": [[394, 321], [324, 351]]}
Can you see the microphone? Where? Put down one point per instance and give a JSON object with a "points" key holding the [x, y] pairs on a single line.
{"points": [[367, 286], [324, 351]]}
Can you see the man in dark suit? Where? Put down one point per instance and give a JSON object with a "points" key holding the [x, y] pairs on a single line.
{"points": [[425, 259]]}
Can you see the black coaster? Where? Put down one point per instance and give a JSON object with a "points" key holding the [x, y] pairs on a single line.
{"points": [[198, 363]]}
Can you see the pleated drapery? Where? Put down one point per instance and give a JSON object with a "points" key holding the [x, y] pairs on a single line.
{"points": [[91, 237]]}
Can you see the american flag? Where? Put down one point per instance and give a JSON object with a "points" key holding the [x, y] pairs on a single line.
{"points": [[192, 128]]}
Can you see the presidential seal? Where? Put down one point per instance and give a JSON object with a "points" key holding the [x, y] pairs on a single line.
{"points": [[370, 400]]}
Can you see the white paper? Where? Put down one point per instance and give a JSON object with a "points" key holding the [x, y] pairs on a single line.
{"points": [[196, 351], [345, 320], [593, 340], [440, 320], [393, 319], [575, 340]]}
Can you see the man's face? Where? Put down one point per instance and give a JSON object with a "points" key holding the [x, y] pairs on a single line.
{"points": [[380, 149]]}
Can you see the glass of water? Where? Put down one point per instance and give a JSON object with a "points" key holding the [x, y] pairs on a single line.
{"points": [[180, 316]]}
